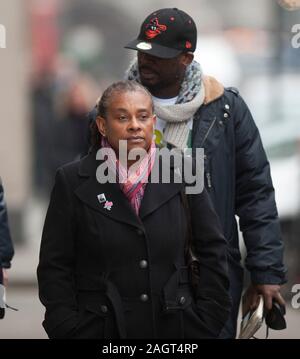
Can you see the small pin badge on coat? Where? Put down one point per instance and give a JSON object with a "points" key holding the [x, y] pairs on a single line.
{"points": [[108, 205], [101, 198]]}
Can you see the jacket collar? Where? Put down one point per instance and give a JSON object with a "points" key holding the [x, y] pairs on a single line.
{"points": [[213, 89], [156, 194]]}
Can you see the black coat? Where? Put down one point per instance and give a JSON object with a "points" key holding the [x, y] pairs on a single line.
{"points": [[111, 274], [239, 183], [6, 246]]}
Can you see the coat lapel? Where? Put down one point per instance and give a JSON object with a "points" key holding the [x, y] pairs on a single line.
{"points": [[156, 194], [90, 189]]}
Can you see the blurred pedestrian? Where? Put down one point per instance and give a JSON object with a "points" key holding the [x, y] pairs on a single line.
{"points": [[112, 259], [71, 125], [194, 110], [6, 247]]}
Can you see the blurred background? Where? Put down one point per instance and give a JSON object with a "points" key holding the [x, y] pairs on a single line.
{"points": [[59, 57]]}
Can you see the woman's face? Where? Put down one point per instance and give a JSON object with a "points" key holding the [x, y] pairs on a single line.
{"points": [[129, 117]]}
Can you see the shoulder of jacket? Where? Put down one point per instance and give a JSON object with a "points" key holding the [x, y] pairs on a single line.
{"points": [[70, 169], [233, 90]]}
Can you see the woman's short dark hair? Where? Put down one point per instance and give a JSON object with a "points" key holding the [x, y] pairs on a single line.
{"points": [[103, 103]]}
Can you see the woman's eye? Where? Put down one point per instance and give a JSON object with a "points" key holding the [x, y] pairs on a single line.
{"points": [[122, 118], [144, 117]]}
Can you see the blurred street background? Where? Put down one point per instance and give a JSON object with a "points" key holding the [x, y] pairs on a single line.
{"points": [[61, 54]]}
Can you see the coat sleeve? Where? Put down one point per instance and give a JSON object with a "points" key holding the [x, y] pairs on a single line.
{"points": [[210, 247], [6, 245], [55, 270], [255, 202]]}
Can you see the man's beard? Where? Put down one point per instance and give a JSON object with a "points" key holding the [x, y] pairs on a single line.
{"points": [[152, 88]]}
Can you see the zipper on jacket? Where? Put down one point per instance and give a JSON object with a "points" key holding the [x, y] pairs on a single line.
{"points": [[208, 177], [208, 131]]}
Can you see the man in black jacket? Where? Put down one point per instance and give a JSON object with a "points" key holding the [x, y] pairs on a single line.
{"points": [[194, 111]]}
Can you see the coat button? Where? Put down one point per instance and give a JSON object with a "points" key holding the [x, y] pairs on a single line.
{"points": [[143, 264], [104, 309], [144, 297], [226, 115], [140, 232], [227, 107], [182, 300]]}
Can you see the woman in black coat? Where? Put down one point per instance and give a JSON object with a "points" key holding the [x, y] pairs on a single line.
{"points": [[112, 259]]}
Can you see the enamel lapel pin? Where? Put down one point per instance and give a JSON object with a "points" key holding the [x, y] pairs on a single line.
{"points": [[102, 199], [108, 205]]}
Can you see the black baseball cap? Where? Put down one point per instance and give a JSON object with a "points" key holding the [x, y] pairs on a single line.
{"points": [[166, 33]]}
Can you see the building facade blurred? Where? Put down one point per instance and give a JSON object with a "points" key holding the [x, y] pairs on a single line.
{"points": [[15, 126]]}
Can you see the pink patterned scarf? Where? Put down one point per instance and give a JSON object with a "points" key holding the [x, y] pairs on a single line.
{"points": [[132, 183]]}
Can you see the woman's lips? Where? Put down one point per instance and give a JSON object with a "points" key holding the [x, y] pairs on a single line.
{"points": [[135, 139]]}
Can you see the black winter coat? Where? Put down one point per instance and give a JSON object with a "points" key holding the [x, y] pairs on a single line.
{"points": [[111, 274], [238, 180]]}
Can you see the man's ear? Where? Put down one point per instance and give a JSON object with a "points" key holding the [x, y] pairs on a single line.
{"points": [[101, 124], [187, 58]]}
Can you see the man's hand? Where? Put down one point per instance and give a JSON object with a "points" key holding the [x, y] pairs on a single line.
{"points": [[5, 277], [268, 291]]}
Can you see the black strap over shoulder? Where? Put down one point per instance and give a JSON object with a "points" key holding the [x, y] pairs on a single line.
{"points": [[185, 204], [192, 261]]}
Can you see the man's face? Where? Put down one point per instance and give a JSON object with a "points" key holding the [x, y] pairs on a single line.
{"points": [[157, 73], [129, 117]]}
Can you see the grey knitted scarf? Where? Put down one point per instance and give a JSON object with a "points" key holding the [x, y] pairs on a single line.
{"points": [[190, 98]]}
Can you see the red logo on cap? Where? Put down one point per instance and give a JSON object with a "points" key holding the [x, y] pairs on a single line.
{"points": [[188, 45], [154, 28]]}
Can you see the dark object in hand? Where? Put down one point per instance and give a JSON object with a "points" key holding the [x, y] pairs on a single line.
{"points": [[275, 317]]}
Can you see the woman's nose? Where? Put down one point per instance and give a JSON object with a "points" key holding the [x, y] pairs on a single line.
{"points": [[134, 124]]}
